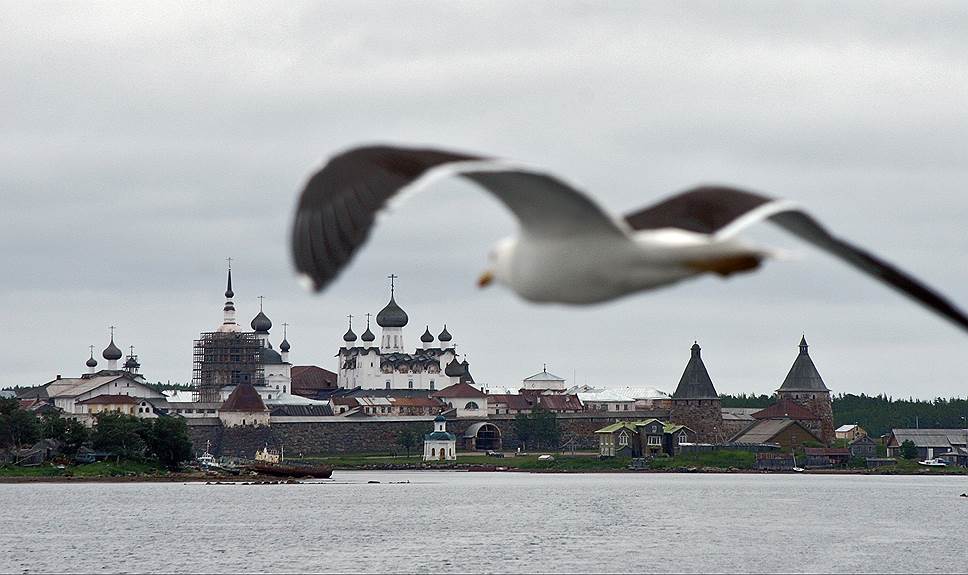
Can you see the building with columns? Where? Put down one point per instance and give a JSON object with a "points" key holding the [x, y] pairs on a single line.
{"points": [[366, 364]]}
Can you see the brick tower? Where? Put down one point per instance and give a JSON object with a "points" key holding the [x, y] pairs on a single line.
{"points": [[695, 403], [803, 385]]}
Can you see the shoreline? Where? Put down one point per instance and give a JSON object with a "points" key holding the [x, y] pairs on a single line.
{"points": [[212, 479]]}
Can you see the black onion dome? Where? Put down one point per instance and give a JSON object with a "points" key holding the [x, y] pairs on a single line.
{"points": [[261, 322], [368, 335], [349, 335], [269, 356], [427, 337], [445, 335], [454, 369], [392, 315], [284, 346], [131, 363], [91, 362], [111, 352]]}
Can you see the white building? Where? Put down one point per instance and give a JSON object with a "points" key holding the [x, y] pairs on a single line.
{"points": [[544, 381], [441, 445], [464, 398], [622, 399], [366, 364]]}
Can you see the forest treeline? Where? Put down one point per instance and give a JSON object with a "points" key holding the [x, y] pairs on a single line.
{"points": [[878, 414]]}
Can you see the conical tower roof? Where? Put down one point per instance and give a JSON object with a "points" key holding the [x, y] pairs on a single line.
{"points": [[695, 382], [244, 398], [803, 375]]}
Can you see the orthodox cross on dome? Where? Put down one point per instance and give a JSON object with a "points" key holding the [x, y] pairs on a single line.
{"points": [[131, 350], [368, 321], [230, 262], [261, 297], [92, 350], [284, 326], [544, 367], [392, 277], [350, 317], [112, 331]]}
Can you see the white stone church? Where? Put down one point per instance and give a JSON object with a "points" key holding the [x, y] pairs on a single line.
{"points": [[366, 364]]}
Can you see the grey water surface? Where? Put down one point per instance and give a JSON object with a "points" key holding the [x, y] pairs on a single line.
{"points": [[492, 522]]}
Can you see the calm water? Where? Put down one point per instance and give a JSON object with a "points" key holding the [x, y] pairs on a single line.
{"points": [[472, 522]]}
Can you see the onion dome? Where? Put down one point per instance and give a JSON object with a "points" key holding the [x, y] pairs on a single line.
{"points": [[349, 336], [269, 356], [284, 346], [445, 335], [91, 362], [454, 369], [131, 363], [111, 352], [440, 418], [427, 337], [261, 323], [392, 315], [368, 335]]}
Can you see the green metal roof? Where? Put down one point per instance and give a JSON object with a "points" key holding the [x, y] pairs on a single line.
{"points": [[630, 425], [440, 436]]}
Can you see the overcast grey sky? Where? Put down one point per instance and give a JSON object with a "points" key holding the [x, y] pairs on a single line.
{"points": [[143, 144]]}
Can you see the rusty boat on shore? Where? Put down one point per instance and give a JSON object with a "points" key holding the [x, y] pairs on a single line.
{"points": [[271, 462]]}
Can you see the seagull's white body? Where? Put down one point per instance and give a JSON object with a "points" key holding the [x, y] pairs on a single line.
{"points": [[568, 249]]}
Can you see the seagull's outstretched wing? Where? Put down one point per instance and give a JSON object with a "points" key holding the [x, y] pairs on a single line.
{"points": [[722, 212], [338, 207]]}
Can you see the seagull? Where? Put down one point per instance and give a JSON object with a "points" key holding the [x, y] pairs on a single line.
{"points": [[568, 249]]}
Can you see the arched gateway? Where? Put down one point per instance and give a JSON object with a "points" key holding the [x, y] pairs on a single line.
{"points": [[482, 436]]}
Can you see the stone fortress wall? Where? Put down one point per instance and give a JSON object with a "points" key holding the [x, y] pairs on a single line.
{"points": [[340, 435]]}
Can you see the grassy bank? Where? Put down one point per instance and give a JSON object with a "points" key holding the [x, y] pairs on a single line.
{"points": [[99, 469]]}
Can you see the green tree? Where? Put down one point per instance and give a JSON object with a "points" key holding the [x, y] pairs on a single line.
{"points": [[17, 426], [909, 450], [545, 426], [167, 440], [407, 439], [120, 434], [54, 426], [523, 428], [76, 434]]}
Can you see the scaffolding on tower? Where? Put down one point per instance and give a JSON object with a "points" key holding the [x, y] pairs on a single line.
{"points": [[225, 358]]}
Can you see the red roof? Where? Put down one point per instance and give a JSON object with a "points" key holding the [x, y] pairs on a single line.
{"points": [[511, 400], [460, 390], [308, 379], [556, 402], [244, 398], [785, 409], [417, 402], [109, 400]]}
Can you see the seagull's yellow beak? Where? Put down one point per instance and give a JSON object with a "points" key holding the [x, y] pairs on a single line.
{"points": [[485, 279]]}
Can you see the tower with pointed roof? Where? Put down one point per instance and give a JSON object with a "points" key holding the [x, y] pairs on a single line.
{"points": [[695, 402], [229, 325], [804, 386]]}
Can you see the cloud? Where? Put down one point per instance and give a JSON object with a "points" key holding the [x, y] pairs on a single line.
{"points": [[141, 146]]}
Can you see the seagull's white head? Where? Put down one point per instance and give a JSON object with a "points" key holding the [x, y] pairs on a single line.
{"points": [[499, 264]]}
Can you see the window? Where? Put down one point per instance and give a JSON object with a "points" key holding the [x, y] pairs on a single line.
{"points": [[655, 440], [433, 452], [683, 438], [431, 384], [471, 405], [410, 384], [388, 384], [623, 438]]}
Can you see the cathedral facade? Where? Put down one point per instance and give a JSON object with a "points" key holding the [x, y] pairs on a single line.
{"points": [[368, 364]]}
